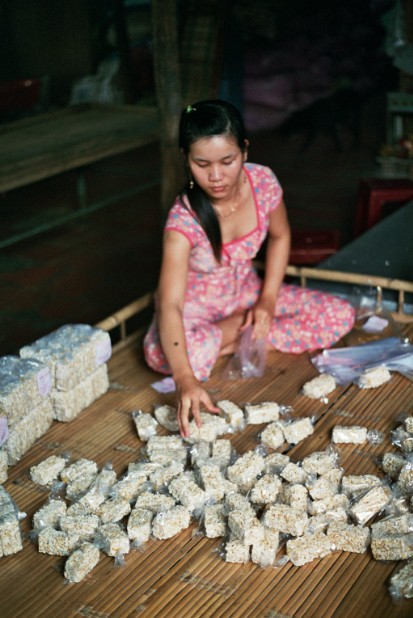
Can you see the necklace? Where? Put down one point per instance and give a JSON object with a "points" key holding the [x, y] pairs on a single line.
{"points": [[231, 207]]}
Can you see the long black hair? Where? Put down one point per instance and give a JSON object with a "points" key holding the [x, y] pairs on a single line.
{"points": [[208, 119]]}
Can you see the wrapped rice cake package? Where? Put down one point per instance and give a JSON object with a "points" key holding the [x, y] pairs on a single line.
{"points": [[72, 352], [24, 384], [67, 405], [27, 430], [10, 533]]}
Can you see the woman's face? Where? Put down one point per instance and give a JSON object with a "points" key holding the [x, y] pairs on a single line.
{"points": [[216, 165]]}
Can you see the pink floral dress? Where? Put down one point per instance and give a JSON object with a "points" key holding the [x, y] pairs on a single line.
{"points": [[304, 319]]}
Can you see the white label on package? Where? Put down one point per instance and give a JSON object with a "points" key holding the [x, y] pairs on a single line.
{"points": [[103, 351], [4, 430], [44, 381], [375, 324]]}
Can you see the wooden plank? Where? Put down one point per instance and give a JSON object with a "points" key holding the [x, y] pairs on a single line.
{"points": [[186, 575], [51, 143]]}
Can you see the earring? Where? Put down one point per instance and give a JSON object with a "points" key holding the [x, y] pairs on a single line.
{"points": [[191, 184]]}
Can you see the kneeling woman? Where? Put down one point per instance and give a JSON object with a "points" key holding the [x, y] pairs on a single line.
{"points": [[208, 289]]}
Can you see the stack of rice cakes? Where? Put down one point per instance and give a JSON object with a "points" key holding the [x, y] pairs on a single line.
{"points": [[25, 404], [76, 355]]}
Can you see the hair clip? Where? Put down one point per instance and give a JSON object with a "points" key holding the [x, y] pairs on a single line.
{"points": [[190, 109]]}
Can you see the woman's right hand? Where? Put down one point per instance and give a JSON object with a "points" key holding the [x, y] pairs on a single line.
{"points": [[190, 396]]}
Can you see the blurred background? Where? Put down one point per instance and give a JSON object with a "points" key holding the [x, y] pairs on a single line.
{"points": [[311, 78]]}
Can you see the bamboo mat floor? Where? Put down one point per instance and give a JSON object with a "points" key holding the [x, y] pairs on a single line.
{"points": [[186, 575]]}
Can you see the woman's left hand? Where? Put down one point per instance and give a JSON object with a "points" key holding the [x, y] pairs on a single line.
{"points": [[260, 316]]}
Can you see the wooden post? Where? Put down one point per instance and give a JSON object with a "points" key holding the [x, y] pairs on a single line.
{"points": [[168, 91]]}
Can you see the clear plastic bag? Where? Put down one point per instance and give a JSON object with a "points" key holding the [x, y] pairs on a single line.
{"points": [[248, 361], [347, 364]]}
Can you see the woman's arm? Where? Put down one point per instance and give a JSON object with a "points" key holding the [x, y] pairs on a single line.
{"points": [[171, 296], [278, 249]]}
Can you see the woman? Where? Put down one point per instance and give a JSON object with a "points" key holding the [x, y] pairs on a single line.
{"points": [[208, 290]]}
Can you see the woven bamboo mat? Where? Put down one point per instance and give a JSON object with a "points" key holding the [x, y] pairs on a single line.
{"points": [[186, 575]]}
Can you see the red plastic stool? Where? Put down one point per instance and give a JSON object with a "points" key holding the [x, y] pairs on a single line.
{"points": [[312, 247], [374, 193]]}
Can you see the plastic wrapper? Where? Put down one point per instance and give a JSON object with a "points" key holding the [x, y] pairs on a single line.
{"points": [[319, 387], [294, 473], [353, 434], [347, 364], [233, 414], [68, 404], [72, 352], [189, 494], [296, 496], [24, 383], [113, 540], [275, 462], [374, 377], [4, 464], [167, 524], [129, 486], [392, 463], [154, 502], [28, 429], [285, 519], [48, 471], [246, 527], [166, 450], [139, 526], [235, 551], [308, 547], [212, 482], [356, 485], [81, 562], [403, 439], [83, 526], [372, 321], [405, 480], [408, 423], [370, 504], [56, 542], [249, 358], [265, 412], [215, 521], [166, 417], [246, 469], [297, 430], [329, 505], [10, 533], [79, 477], [264, 552], [320, 488], [212, 427], [392, 546], [320, 462], [145, 424], [273, 435], [348, 537], [113, 510], [266, 489], [161, 477], [401, 582], [237, 502], [49, 514], [97, 492]]}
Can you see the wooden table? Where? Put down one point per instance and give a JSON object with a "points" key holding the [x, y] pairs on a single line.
{"points": [[70, 139], [186, 575]]}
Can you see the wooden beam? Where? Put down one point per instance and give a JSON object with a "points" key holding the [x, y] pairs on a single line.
{"points": [[168, 92]]}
